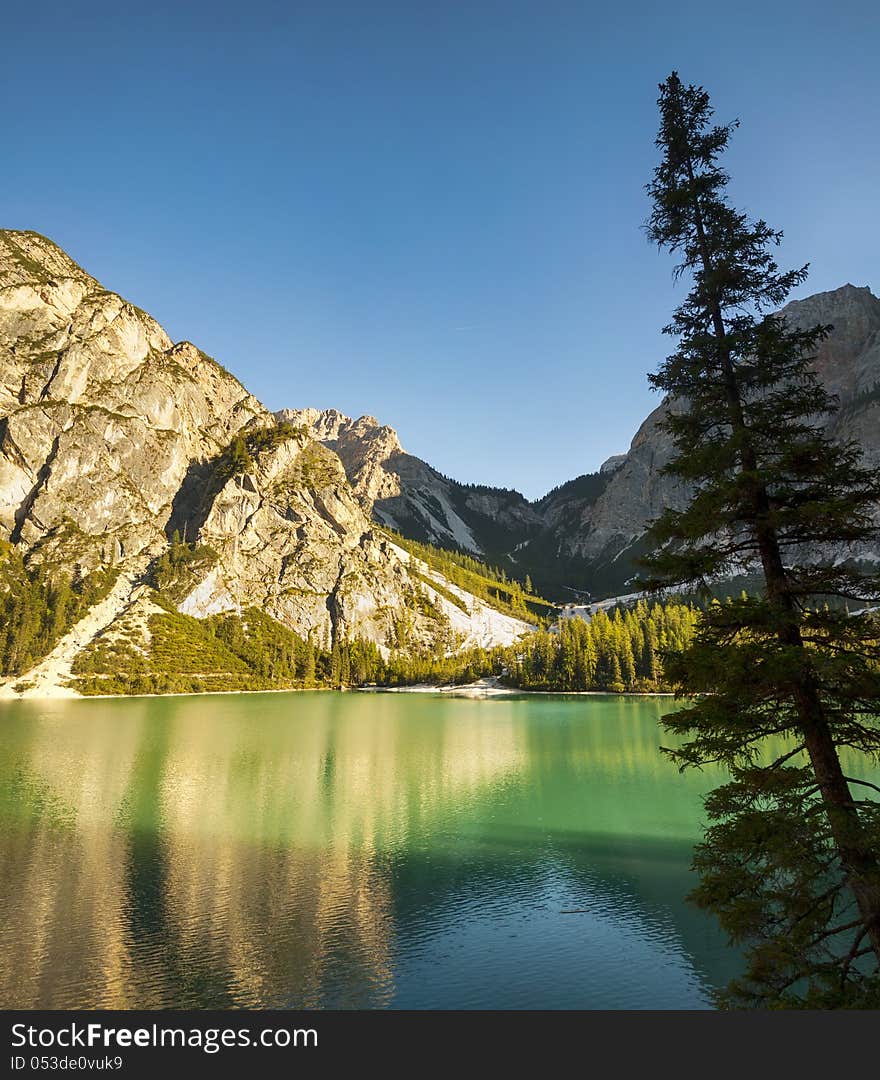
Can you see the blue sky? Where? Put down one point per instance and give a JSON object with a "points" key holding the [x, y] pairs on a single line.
{"points": [[430, 212]]}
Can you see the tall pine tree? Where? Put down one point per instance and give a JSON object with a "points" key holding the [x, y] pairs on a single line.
{"points": [[791, 860]]}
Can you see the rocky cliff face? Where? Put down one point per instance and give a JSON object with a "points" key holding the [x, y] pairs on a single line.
{"points": [[112, 437], [101, 415]]}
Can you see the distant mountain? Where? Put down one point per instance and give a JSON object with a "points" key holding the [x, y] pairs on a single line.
{"points": [[497, 524], [409, 495], [587, 533]]}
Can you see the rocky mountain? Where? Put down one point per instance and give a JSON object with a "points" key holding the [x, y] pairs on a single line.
{"points": [[415, 499], [604, 535], [407, 494], [113, 439], [101, 415], [586, 533]]}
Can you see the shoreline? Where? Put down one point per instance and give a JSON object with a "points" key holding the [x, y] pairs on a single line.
{"points": [[470, 690], [478, 690], [171, 693]]}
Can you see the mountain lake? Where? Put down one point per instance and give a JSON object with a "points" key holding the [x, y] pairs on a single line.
{"points": [[351, 850]]}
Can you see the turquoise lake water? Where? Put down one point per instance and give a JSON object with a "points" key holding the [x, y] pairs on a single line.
{"points": [[350, 850]]}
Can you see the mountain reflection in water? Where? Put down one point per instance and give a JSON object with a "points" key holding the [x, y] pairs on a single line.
{"points": [[349, 850]]}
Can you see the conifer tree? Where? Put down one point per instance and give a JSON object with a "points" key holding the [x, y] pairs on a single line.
{"points": [[791, 860], [239, 458]]}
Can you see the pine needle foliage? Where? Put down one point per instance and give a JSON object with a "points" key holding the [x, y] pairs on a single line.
{"points": [[791, 860]]}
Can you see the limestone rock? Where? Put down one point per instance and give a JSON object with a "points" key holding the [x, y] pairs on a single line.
{"points": [[112, 437], [406, 493]]}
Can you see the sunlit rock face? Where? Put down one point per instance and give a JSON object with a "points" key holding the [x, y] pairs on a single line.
{"points": [[101, 415], [110, 440], [292, 539]]}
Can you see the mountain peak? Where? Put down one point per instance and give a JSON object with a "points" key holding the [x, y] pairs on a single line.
{"points": [[330, 426], [845, 302], [27, 258]]}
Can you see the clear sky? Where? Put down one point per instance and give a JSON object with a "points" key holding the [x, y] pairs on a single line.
{"points": [[430, 211]]}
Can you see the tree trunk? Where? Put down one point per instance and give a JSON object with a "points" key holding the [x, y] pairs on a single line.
{"points": [[857, 858]]}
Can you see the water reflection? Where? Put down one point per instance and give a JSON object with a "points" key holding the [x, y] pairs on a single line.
{"points": [[348, 851]]}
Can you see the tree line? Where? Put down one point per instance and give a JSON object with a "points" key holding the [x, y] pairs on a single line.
{"points": [[38, 607], [620, 652]]}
